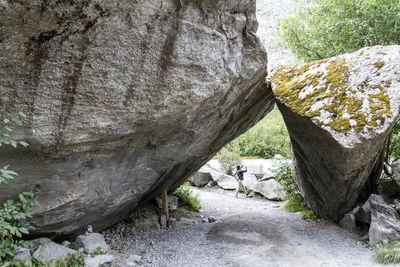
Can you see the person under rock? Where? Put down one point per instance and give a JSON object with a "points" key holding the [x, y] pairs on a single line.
{"points": [[239, 174]]}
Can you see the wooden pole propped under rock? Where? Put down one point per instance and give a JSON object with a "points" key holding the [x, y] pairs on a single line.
{"points": [[165, 202]]}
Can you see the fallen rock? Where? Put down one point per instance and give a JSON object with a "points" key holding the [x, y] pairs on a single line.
{"points": [[270, 189], [224, 181], [339, 113], [363, 214], [348, 222], [92, 241], [51, 252], [171, 222], [211, 219], [132, 260], [98, 260], [267, 176], [388, 187], [249, 180], [123, 98], [148, 223], [66, 243], [385, 225], [172, 202], [396, 171], [35, 243], [200, 178], [254, 168], [22, 254], [163, 221]]}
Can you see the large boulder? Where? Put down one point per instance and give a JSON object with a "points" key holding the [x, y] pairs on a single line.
{"points": [[270, 189], [339, 113], [51, 252], [123, 98], [224, 181], [200, 178], [385, 225]]}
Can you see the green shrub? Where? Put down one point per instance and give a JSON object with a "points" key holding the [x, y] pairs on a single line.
{"points": [[185, 194], [325, 28], [14, 214], [285, 177], [266, 139], [98, 251], [388, 253], [229, 158]]}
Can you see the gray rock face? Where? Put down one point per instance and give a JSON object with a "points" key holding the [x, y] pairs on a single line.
{"points": [[92, 241], [396, 171], [339, 113], [363, 214], [348, 222], [200, 178], [270, 189], [98, 260], [249, 180], [384, 223], [224, 181], [123, 98], [52, 252], [172, 202], [22, 254], [132, 260]]}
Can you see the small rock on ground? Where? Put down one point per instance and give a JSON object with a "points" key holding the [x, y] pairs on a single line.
{"points": [[95, 261]]}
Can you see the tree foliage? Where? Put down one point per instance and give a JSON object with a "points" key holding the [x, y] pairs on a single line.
{"points": [[324, 28], [266, 139]]}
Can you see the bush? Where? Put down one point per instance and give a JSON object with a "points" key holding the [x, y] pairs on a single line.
{"points": [[266, 139], [324, 28], [14, 214], [185, 194], [285, 177], [229, 158], [388, 253]]}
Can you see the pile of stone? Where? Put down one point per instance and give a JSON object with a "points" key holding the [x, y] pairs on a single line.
{"points": [[380, 212], [257, 179], [90, 245]]}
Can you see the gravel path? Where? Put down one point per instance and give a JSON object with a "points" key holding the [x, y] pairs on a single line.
{"points": [[250, 232]]}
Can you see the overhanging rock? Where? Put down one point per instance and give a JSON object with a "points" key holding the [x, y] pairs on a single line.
{"points": [[123, 98], [339, 112]]}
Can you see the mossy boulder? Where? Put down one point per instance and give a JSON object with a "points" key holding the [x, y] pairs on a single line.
{"points": [[339, 112]]}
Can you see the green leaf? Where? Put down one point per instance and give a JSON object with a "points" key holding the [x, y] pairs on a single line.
{"points": [[24, 144]]}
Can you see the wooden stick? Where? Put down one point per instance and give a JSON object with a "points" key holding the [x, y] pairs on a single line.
{"points": [[165, 203]]}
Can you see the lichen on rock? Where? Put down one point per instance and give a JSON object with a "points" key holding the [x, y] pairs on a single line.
{"points": [[327, 92], [339, 113]]}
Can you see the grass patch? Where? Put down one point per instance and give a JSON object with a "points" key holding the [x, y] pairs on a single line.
{"points": [[389, 253], [186, 195], [296, 205]]}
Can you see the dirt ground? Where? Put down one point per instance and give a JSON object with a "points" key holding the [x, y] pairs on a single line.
{"points": [[251, 232]]}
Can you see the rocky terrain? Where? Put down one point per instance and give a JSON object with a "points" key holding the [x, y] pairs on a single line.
{"points": [[246, 232]]}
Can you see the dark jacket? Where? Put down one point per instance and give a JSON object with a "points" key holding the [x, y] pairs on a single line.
{"points": [[240, 172]]}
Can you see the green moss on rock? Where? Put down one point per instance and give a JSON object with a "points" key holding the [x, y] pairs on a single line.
{"points": [[303, 88]]}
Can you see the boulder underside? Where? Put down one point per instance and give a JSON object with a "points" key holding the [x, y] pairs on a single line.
{"points": [[123, 98]]}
